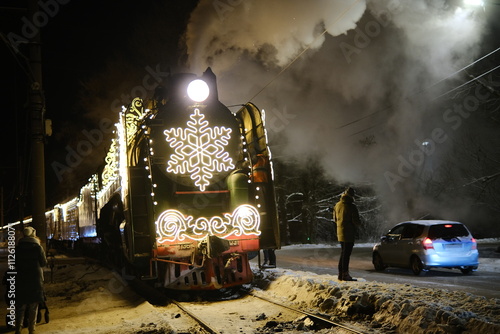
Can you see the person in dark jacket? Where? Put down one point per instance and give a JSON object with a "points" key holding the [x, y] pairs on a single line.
{"points": [[346, 216], [30, 259]]}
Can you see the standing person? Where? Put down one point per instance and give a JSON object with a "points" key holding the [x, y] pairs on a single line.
{"points": [[269, 257], [30, 259], [346, 216]]}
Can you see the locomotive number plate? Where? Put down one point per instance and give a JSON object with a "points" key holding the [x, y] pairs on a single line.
{"points": [[184, 246], [234, 242]]}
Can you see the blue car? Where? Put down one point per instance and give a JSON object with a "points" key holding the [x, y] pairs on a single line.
{"points": [[424, 244]]}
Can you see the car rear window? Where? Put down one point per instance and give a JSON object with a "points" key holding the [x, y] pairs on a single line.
{"points": [[447, 231], [412, 231]]}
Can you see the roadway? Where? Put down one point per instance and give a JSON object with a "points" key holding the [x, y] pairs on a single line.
{"points": [[322, 259]]}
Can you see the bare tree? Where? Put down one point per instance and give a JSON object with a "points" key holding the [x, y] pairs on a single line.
{"points": [[306, 198]]}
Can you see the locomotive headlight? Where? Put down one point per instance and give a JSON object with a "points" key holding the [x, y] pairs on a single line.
{"points": [[198, 90]]}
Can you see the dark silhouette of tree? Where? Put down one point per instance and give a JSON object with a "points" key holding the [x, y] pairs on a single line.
{"points": [[306, 197]]}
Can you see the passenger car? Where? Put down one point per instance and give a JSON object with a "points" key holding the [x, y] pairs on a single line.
{"points": [[424, 244]]}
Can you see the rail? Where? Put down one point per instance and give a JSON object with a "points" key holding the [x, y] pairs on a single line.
{"points": [[200, 321], [311, 315]]}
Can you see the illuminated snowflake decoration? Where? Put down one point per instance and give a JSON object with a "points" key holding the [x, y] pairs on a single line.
{"points": [[199, 150]]}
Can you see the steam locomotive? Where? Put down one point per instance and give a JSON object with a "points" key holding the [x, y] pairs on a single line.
{"points": [[186, 192]]}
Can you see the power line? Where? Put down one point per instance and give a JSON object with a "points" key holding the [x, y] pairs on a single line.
{"points": [[17, 55], [468, 82], [466, 67], [425, 89], [451, 90]]}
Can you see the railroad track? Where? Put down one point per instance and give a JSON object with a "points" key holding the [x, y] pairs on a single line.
{"points": [[204, 325], [313, 316], [241, 316]]}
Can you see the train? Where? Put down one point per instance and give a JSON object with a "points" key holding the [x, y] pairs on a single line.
{"points": [[186, 193]]}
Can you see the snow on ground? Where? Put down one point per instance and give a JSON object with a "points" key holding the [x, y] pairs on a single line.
{"points": [[392, 308], [86, 298]]}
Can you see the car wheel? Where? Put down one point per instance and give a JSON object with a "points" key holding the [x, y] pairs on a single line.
{"points": [[416, 265], [378, 263], [466, 270]]}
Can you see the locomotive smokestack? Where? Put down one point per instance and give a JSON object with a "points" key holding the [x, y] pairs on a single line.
{"points": [[210, 78]]}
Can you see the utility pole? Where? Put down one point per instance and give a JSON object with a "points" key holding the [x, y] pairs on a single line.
{"points": [[37, 110], [1, 210]]}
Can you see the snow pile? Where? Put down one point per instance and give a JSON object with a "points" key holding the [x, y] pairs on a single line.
{"points": [[402, 308], [87, 298]]}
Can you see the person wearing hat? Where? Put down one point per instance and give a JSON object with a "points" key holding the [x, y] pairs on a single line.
{"points": [[346, 216], [30, 258]]}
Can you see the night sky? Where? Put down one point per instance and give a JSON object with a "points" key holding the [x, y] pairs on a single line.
{"points": [[80, 41], [97, 54]]}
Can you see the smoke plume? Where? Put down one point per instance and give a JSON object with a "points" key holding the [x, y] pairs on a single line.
{"points": [[352, 80]]}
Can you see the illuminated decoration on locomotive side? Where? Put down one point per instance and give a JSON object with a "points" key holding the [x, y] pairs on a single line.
{"points": [[111, 166]]}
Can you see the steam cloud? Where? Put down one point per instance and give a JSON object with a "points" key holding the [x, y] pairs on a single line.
{"points": [[358, 94]]}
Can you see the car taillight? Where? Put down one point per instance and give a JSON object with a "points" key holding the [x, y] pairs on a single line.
{"points": [[474, 243], [427, 244]]}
